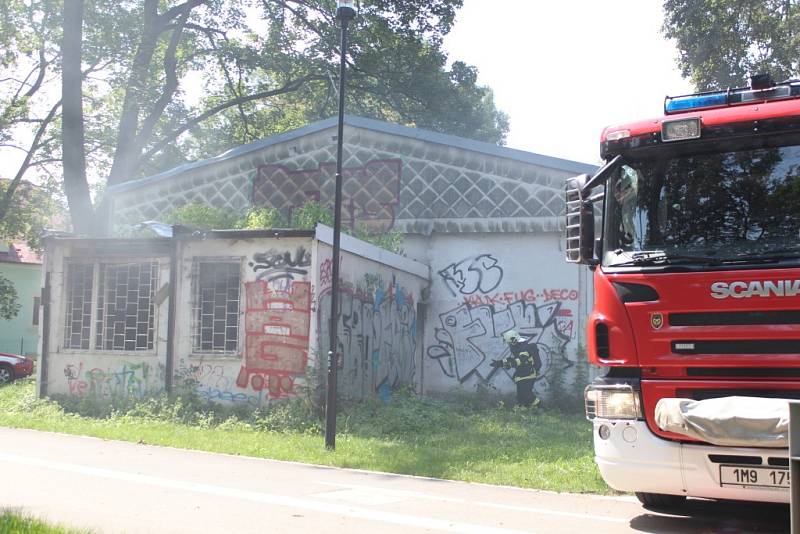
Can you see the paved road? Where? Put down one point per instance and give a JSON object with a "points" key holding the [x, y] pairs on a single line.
{"points": [[111, 486]]}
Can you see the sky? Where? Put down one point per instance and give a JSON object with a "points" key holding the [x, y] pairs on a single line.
{"points": [[563, 71]]}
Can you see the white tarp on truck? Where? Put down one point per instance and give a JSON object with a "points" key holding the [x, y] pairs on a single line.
{"points": [[727, 421]]}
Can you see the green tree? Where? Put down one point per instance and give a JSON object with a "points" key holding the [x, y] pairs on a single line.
{"points": [[33, 210], [721, 42], [9, 302], [149, 84], [28, 57]]}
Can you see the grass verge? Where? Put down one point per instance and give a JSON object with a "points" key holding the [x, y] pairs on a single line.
{"points": [[16, 523], [411, 435]]}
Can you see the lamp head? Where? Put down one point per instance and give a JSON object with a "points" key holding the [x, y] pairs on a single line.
{"points": [[345, 9]]}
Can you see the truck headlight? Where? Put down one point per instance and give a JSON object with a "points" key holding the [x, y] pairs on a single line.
{"points": [[612, 402]]}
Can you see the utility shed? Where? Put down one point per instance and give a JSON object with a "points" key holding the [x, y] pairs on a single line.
{"points": [[241, 317]]}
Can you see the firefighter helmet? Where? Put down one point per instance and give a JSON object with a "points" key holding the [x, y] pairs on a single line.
{"points": [[511, 337]]}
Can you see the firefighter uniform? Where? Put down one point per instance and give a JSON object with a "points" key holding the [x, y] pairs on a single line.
{"points": [[525, 361]]}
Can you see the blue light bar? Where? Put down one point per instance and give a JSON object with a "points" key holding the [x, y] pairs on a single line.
{"points": [[686, 103]]}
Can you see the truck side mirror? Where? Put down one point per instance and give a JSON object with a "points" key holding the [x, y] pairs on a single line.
{"points": [[580, 221]]}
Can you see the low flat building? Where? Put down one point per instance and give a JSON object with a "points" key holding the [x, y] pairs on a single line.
{"points": [[485, 221], [238, 317]]}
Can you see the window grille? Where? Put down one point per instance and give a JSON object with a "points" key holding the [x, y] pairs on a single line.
{"points": [[215, 306], [78, 316], [125, 308]]}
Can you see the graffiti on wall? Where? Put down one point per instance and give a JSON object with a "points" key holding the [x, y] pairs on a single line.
{"points": [[478, 274], [528, 295], [274, 264], [213, 382], [372, 190], [277, 320], [468, 335], [377, 334], [468, 338], [128, 380]]}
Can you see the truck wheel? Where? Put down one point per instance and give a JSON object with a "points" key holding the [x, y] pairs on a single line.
{"points": [[660, 500], [6, 374]]}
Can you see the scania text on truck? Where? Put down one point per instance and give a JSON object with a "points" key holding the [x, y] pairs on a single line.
{"points": [[696, 320]]}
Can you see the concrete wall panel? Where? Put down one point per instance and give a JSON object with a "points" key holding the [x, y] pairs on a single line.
{"points": [[95, 373], [485, 285], [379, 331], [275, 303]]}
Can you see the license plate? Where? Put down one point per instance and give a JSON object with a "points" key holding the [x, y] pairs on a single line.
{"points": [[749, 476]]}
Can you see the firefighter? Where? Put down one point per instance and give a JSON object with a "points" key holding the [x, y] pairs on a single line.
{"points": [[525, 360]]}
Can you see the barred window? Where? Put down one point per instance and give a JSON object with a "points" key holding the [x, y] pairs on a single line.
{"points": [[125, 308], [215, 306], [78, 316]]}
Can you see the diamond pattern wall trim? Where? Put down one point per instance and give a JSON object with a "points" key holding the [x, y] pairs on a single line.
{"points": [[390, 181], [370, 192]]}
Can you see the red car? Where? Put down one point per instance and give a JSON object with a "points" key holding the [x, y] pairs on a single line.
{"points": [[13, 366]]}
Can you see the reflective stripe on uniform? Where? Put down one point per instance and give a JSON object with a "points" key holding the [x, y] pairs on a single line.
{"points": [[528, 377]]}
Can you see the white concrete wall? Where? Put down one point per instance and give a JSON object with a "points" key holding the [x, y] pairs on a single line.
{"points": [[379, 332], [284, 297], [486, 284], [102, 375], [287, 307], [401, 323], [275, 325]]}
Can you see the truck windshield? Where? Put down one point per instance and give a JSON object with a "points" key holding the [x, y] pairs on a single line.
{"points": [[705, 208]]}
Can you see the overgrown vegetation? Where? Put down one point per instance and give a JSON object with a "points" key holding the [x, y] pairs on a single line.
{"points": [[567, 378], [16, 523], [204, 217], [472, 438]]}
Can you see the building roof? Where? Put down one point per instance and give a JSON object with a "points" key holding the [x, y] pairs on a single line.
{"points": [[19, 253], [375, 125]]}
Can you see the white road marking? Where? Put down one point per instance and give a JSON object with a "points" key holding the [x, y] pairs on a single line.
{"points": [[267, 498], [421, 495]]}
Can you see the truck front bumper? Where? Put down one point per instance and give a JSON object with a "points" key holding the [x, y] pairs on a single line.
{"points": [[633, 459]]}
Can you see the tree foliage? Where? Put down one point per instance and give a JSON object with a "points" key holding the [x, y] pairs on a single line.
{"points": [[9, 302], [722, 42], [29, 33], [34, 209], [149, 84]]}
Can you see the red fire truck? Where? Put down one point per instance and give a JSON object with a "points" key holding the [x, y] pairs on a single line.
{"points": [[696, 321]]}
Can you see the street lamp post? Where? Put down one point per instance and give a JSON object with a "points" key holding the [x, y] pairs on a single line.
{"points": [[345, 12]]}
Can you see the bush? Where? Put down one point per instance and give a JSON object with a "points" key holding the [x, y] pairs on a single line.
{"points": [[291, 415], [306, 217], [203, 217], [257, 218], [309, 214]]}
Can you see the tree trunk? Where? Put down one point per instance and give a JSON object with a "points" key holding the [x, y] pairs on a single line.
{"points": [[72, 130]]}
